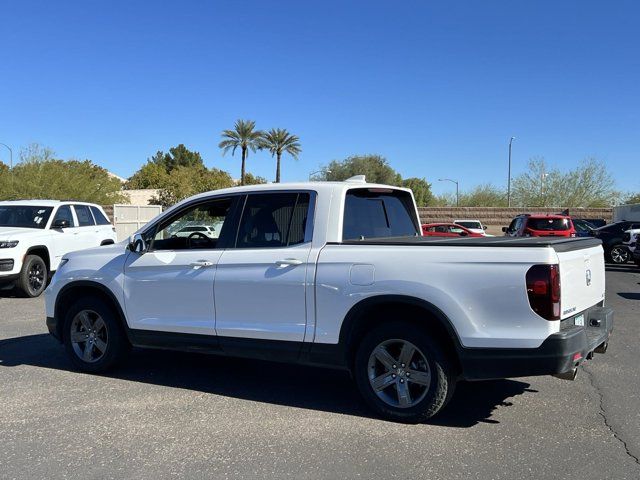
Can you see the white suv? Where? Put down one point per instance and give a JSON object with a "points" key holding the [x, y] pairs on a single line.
{"points": [[35, 234]]}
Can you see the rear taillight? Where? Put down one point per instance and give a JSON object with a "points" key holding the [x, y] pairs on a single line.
{"points": [[543, 290]]}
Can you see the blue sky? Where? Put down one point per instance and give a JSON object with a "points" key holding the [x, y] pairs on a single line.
{"points": [[436, 87]]}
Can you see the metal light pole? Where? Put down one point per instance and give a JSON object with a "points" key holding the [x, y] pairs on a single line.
{"points": [[10, 163], [457, 190], [509, 179]]}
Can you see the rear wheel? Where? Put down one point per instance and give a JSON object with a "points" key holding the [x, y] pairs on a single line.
{"points": [[619, 254], [403, 373], [33, 276], [93, 336]]}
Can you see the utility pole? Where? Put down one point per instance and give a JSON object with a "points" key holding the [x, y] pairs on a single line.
{"points": [[457, 190], [509, 177]]}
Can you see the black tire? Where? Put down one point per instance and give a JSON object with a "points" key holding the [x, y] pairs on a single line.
{"points": [[111, 334], [441, 383], [34, 277], [619, 254]]}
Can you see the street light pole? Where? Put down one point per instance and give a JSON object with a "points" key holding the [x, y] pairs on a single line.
{"points": [[457, 189], [509, 179]]}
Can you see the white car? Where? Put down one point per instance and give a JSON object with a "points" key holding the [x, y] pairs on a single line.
{"points": [[35, 234], [474, 225], [336, 274], [195, 231]]}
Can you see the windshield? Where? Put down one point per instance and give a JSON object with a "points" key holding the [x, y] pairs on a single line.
{"points": [[549, 224], [470, 224], [24, 216]]}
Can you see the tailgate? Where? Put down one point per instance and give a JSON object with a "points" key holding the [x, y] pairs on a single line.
{"points": [[581, 278]]}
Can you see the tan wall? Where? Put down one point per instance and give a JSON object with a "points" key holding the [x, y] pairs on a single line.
{"points": [[502, 216]]}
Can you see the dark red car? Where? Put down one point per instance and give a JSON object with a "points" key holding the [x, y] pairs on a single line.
{"points": [[447, 230], [540, 225]]}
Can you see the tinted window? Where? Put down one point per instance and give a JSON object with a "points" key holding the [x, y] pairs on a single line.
{"points": [[273, 220], [470, 224], [99, 216], [64, 213], [84, 215], [549, 224], [375, 213], [24, 216], [197, 227]]}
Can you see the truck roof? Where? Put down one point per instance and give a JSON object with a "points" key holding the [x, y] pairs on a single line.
{"points": [[320, 187]]}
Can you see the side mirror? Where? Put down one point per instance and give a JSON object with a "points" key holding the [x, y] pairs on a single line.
{"points": [[484, 227], [463, 234], [137, 244], [505, 229], [60, 224]]}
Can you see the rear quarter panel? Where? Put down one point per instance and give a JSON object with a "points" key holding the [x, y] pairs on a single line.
{"points": [[481, 290]]}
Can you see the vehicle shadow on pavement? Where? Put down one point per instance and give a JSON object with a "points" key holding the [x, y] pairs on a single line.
{"points": [[630, 295], [627, 267], [260, 381]]}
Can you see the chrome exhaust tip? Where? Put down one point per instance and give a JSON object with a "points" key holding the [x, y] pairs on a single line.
{"points": [[568, 375]]}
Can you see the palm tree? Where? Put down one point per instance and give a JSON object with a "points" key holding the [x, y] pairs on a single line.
{"points": [[279, 141], [244, 136]]}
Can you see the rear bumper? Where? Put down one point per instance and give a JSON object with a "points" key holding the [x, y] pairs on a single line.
{"points": [[559, 353]]}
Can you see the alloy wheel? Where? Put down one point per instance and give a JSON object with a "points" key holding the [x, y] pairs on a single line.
{"points": [[619, 255], [89, 336], [399, 373], [36, 278]]}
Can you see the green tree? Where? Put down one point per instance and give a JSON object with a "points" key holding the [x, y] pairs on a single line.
{"points": [[61, 180], [179, 156], [151, 175], [185, 181], [279, 141], [632, 199], [588, 185], [483, 196], [421, 190], [374, 167], [243, 136], [250, 179]]}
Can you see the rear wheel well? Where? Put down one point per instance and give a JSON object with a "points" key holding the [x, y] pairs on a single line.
{"points": [[367, 317], [43, 253], [69, 295]]}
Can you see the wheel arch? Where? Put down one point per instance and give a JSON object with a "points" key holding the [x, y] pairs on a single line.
{"points": [[369, 312], [73, 290], [41, 251]]}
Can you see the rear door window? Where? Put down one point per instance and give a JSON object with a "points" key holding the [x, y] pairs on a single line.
{"points": [[99, 216], [378, 213], [85, 219], [274, 220]]}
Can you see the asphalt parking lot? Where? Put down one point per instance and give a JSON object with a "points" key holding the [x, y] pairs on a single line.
{"points": [[167, 414]]}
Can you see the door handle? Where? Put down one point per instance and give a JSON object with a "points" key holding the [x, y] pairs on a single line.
{"points": [[201, 263], [288, 261]]}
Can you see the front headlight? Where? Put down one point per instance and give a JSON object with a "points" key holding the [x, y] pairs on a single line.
{"points": [[8, 243]]}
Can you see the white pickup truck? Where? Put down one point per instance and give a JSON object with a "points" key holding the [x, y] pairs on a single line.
{"points": [[337, 274], [35, 234]]}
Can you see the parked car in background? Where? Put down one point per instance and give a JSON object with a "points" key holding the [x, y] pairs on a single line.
{"points": [[583, 227], [195, 231], [540, 225], [36, 234], [474, 225], [596, 222], [447, 230], [612, 237], [335, 274]]}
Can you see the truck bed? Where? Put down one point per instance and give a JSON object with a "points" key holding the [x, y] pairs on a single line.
{"points": [[558, 244]]}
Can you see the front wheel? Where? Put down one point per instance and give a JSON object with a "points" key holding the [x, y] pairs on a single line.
{"points": [[403, 373], [93, 336], [620, 254], [33, 276]]}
